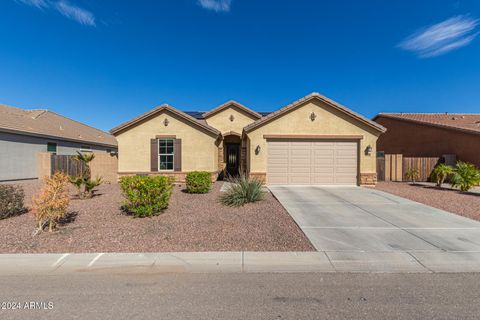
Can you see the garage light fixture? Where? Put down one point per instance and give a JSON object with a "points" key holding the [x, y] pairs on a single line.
{"points": [[232, 117], [166, 122], [257, 149], [313, 116]]}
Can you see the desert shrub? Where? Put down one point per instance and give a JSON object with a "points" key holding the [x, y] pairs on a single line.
{"points": [[440, 173], [241, 191], [466, 176], [412, 174], [84, 183], [198, 182], [51, 204], [11, 200], [146, 196]]}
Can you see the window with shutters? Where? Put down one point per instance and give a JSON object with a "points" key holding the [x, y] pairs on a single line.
{"points": [[166, 154]]}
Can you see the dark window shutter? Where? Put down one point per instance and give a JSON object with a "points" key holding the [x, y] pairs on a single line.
{"points": [[177, 149], [153, 155]]}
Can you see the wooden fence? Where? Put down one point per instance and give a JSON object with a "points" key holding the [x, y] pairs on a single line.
{"points": [[104, 165], [66, 164], [424, 166], [392, 167]]}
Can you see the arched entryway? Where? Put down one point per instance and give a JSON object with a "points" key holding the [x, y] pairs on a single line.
{"points": [[232, 154]]}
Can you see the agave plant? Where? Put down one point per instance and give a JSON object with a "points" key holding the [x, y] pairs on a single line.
{"points": [[241, 191], [440, 173], [466, 176]]}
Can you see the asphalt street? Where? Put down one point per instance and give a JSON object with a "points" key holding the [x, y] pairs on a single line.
{"points": [[146, 295]]}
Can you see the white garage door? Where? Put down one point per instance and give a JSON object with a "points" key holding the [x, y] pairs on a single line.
{"points": [[312, 162]]}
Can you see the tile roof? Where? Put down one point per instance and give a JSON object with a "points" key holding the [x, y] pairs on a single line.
{"points": [[51, 124], [235, 104], [457, 121], [309, 97], [199, 122], [199, 114]]}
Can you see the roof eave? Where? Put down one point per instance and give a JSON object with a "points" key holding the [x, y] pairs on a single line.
{"points": [[34, 134], [124, 126], [436, 125], [293, 105], [231, 103]]}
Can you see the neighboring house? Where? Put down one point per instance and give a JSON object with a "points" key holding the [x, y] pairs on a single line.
{"points": [[431, 135], [311, 141], [25, 133]]}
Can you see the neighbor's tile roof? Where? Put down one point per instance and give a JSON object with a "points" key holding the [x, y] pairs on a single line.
{"points": [[51, 124], [457, 121]]}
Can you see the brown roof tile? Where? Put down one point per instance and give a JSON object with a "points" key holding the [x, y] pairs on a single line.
{"points": [[309, 97], [156, 110], [51, 124], [235, 104], [456, 121]]}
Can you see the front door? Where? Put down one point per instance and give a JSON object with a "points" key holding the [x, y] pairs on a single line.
{"points": [[233, 158]]}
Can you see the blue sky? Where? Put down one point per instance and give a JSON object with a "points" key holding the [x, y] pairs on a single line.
{"points": [[104, 62]]}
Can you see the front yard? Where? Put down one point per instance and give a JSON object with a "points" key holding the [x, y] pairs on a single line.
{"points": [[464, 204], [192, 222]]}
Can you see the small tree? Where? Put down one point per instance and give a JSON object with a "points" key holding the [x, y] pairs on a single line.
{"points": [[51, 204], [466, 176], [440, 173], [84, 183], [412, 174]]}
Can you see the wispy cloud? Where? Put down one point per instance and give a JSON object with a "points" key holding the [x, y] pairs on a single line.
{"points": [[216, 5], [66, 9], [40, 4], [75, 13], [442, 37]]}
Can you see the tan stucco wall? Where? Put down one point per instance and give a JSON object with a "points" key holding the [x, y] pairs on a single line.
{"points": [[221, 120], [199, 151], [328, 122]]}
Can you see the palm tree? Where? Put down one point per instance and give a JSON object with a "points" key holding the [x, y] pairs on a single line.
{"points": [[466, 176], [412, 174], [440, 173], [85, 179]]}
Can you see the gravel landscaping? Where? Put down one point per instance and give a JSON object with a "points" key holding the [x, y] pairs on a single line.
{"points": [[464, 204], [192, 222]]}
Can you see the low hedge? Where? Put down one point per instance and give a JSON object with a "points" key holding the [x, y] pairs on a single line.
{"points": [[146, 196], [11, 200], [198, 182]]}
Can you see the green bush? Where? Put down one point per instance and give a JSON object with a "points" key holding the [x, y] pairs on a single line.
{"points": [[241, 191], [198, 182], [11, 200], [146, 196], [466, 176], [412, 174], [440, 173]]}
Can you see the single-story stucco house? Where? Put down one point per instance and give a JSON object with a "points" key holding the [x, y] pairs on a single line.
{"points": [[25, 133], [311, 141], [431, 135]]}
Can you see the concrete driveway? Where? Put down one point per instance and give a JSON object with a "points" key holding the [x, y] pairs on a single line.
{"points": [[360, 225]]}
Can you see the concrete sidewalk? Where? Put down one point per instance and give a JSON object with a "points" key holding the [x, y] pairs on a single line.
{"points": [[238, 262]]}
